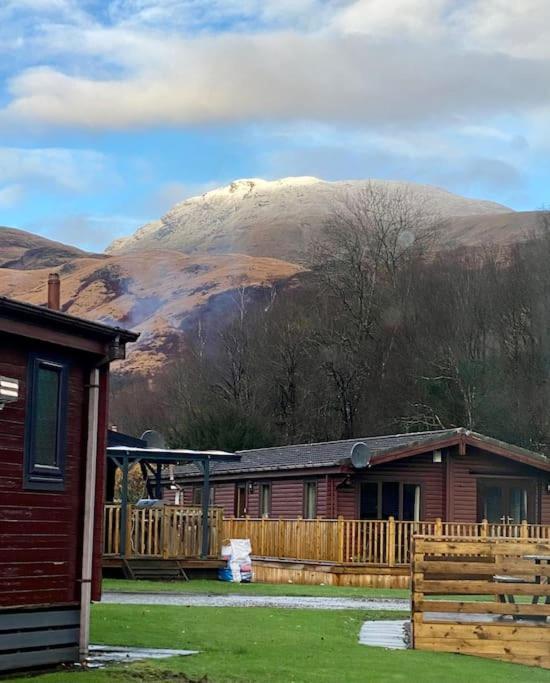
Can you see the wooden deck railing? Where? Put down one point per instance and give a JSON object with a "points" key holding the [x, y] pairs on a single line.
{"points": [[373, 542], [172, 532], [168, 532]]}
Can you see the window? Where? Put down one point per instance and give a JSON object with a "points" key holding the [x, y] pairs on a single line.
{"points": [[501, 501], [265, 500], [197, 495], [46, 419], [310, 499], [240, 500], [384, 499]]}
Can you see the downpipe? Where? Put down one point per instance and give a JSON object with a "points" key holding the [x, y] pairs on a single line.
{"points": [[89, 509]]}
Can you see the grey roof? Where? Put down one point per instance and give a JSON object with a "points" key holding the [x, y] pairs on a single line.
{"points": [[336, 453], [309, 455]]}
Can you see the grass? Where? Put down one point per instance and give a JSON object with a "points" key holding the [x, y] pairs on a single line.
{"points": [[272, 646], [213, 587]]}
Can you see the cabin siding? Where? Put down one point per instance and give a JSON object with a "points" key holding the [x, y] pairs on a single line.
{"points": [[287, 498], [46, 522], [544, 498], [224, 496]]}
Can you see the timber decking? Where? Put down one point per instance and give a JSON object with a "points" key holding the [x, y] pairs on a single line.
{"points": [[516, 632]]}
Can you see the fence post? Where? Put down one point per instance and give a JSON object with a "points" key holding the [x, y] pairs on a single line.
{"points": [[524, 530], [390, 542], [438, 531], [340, 530], [165, 532], [261, 550], [484, 528], [280, 537], [128, 535]]}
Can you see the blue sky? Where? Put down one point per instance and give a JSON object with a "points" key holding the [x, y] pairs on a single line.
{"points": [[111, 111]]}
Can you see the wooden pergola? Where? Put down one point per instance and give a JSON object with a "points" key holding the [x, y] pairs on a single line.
{"points": [[122, 454]]}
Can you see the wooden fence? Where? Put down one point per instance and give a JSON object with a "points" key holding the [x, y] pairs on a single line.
{"points": [[173, 532], [506, 616], [373, 542], [168, 532]]}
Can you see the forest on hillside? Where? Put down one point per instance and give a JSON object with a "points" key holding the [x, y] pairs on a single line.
{"points": [[388, 331]]}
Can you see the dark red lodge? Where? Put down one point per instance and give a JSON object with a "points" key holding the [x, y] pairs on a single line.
{"points": [[54, 371], [456, 475]]}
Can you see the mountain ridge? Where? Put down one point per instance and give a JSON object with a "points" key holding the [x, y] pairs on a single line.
{"points": [[279, 218], [160, 289]]}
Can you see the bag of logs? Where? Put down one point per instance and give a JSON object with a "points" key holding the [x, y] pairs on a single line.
{"points": [[236, 553]]}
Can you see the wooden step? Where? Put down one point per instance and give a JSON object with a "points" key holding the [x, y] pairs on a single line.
{"points": [[155, 570]]}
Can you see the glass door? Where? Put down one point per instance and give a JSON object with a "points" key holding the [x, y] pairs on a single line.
{"points": [[502, 501]]}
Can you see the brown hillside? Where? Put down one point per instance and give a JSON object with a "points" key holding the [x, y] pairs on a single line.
{"points": [[23, 250], [154, 294]]}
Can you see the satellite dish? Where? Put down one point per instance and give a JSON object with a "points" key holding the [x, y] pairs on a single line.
{"points": [[361, 455], [153, 439]]}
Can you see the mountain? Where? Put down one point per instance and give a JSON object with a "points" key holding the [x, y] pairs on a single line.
{"points": [[207, 249], [23, 250], [279, 218], [158, 294]]}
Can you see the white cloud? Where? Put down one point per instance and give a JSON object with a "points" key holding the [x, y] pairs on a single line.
{"points": [[393, 18], [216, 14], [68, 170], [375, 62], [280, 76], [10, 195]]}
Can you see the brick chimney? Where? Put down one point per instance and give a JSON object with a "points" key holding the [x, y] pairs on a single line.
{"points": [[54, 294]]}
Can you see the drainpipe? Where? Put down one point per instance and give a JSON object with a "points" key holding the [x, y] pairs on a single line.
{"points": [[116, 351], [89, 509]]}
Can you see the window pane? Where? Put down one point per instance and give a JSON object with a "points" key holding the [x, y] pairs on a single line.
{"points": [[310, 500], [47, 416], [264, 499], [240, 500], [492, 504], [390, 500], [369, 500], [518, 505], [411, 502]]}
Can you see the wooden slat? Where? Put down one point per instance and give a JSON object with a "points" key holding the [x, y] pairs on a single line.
{"points": [[478, 607], [10, 621], [34, 658], [480, 588], [39, 638]]}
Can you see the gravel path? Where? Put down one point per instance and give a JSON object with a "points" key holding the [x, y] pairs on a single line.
{"points": [[286, 602]]}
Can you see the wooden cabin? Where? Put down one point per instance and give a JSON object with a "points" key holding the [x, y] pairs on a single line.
{"points": [[54, 371], [454, 475]]}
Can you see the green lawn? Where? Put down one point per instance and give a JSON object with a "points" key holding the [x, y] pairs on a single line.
{"points": [[273, 646], [214, 587]]}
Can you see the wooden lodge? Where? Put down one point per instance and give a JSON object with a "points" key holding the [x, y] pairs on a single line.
{"points": [[54, 371], [313, 516]]}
